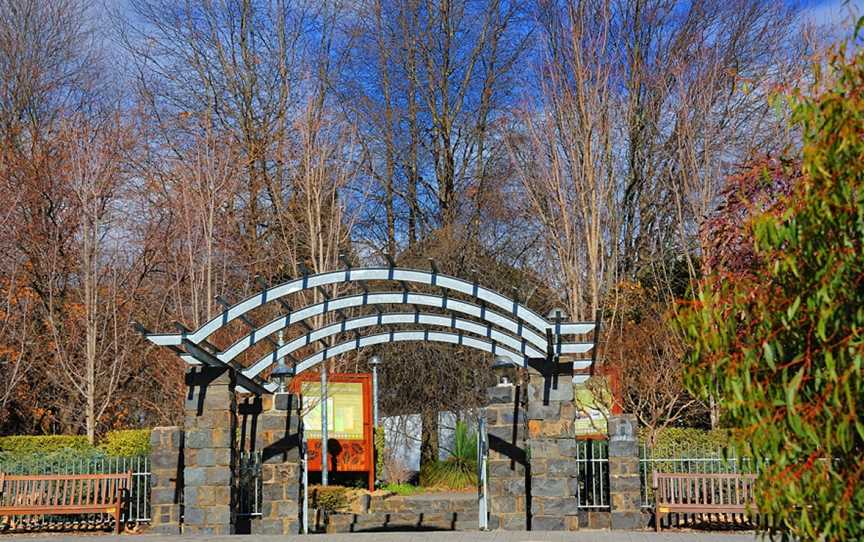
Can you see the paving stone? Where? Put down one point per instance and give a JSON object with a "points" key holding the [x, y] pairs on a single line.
{"points": [[547, 523], [626, 520]]}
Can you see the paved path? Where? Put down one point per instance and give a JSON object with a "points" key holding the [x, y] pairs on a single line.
{"points": [[439, 536]]}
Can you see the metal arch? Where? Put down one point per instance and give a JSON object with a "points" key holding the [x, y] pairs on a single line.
{"points": [[411, 336], [381, 298], [385, 274], [425, 319]]}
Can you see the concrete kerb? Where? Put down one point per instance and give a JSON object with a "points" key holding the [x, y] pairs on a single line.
{"points": [[445, 536]]}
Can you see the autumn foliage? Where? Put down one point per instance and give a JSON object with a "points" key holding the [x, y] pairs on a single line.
{"points": [[777, 328]]}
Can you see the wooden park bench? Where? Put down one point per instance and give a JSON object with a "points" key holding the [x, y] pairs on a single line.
{"points": [[692, 493], [64, 494]]}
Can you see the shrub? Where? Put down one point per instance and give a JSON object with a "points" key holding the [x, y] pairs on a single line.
{"points": [[126, 443], [674, 442], [64, 460], [449, 474], [329, 498], [42, 444], [777, 338], [395, 471], [380, 443]]}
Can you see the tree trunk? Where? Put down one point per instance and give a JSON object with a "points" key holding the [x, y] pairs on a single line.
{"points": [[428, 438]]}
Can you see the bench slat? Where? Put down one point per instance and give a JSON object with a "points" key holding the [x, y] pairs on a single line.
{"points": [[702, 493], [61, 494]]}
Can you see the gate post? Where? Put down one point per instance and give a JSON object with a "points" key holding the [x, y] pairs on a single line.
{"points": [[210, 455], [278, 438], [624, 481], [508, 468], [166, 479], [551, 437]]}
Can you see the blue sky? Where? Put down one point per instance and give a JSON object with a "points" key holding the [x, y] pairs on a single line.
{"points": [[833, 11]]}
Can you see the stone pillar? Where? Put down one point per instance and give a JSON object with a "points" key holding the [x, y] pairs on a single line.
{"points": [[278, 438], [210, 457], [508, 462], [551, 442], [166, 479], [624, 482]]}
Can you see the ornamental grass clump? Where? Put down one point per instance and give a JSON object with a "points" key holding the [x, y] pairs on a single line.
{"points": [[459, 471]]}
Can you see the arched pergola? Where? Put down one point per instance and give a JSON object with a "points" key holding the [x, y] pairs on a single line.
{"points": [[505, 326]]}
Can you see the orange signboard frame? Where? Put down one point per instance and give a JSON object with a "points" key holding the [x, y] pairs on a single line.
{"points": [[344, 455]]}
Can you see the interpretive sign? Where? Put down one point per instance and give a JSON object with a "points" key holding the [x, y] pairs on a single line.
{"points": [[349, 421], [595, 400]]}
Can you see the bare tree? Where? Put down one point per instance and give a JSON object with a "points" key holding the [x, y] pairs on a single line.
{"points": [[565, 157], [93, 170], [646, 352]]}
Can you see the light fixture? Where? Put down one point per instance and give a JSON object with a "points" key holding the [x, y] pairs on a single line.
{"points": [[504, 368], [375, 361], [281, 373], [557, 314]]}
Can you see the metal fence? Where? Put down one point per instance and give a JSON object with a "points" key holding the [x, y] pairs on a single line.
{"points": [[592, 480], [250, 485], [707, 463], [138, 510]]}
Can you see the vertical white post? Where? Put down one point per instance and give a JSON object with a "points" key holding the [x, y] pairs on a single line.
{"points": [[304, 450], [324, 458], [482, 453], [375, 395], [375, 421]]}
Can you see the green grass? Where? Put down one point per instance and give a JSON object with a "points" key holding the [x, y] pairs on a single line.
{"points": [[402, 489]]}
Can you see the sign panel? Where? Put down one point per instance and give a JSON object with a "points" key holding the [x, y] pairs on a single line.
{"points": [[344, 410], [349, 421], [596, 399]]}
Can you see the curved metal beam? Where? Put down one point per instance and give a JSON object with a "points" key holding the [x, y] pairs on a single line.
{"points": [[381, 298], [425, 319], [410, 336], [438, 280]]}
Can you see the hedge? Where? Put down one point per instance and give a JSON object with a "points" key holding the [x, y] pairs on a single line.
{"points": [[26, 445], [674, 442], [125, 443]]}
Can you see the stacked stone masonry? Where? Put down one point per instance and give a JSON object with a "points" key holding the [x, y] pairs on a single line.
{"points": [[209, 455], [278, 439], [532, 469], [166, 478], [432, 511], [507, 468], [551, 440]]}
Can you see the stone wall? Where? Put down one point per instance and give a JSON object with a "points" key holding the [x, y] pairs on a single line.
{"points": [[166, 479], [508, 468], [552, 446], [624, 480], [532, 470], [210, 455], [278, 439]]}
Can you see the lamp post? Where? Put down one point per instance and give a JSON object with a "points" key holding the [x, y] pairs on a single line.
{"points": [[374, 363], [324, 452]]}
